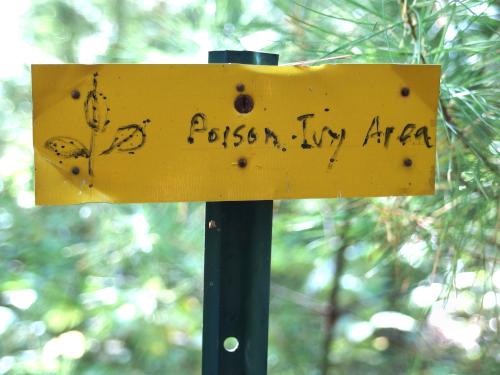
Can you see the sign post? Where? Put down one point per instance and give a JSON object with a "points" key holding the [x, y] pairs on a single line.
{"points": [[237, 268]]}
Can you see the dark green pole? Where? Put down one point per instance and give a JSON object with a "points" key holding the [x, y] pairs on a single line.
{"points": [[237, 271]]}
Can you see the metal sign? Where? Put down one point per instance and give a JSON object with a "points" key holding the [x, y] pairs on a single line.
{"points": [[223, 132]]}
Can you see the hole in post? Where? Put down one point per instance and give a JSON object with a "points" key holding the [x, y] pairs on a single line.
{"points": [[212, 224], [231, 344]]}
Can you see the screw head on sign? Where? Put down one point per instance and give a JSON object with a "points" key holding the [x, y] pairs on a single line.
{"points": [[405, 91], [242, 162], [243, 103], [407, 162], [75, 94], [75, 170], [240, 87]]}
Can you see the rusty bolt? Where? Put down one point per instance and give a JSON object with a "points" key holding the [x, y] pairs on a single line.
{"points": [[242, 162], [240, 87], [405, 91], [407, 162], [243, 103], [75, 94]]}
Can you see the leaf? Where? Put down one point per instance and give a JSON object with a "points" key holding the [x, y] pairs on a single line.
{"points": [[67, 147], [128, 138], [96, 108]]}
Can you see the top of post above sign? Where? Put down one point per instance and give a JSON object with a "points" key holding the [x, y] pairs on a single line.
{"points": [[243, 57], [221, 132]]}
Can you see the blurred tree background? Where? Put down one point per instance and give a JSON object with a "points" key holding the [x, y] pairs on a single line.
{"points": [[359, 286]]}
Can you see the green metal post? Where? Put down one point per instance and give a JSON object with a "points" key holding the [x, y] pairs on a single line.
{"points": [[237, 271]]}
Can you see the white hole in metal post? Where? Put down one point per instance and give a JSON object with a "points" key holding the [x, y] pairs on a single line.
{"points": [[231, 344]]}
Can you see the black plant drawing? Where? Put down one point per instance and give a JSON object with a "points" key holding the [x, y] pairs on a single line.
{"points": [[128, 138]]}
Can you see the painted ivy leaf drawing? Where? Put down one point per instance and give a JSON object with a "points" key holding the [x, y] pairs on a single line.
{"points": [[128, 138], [66, 147], [96, 108]]}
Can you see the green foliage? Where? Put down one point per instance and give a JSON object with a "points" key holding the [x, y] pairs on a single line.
{"points": [[360, 286]]}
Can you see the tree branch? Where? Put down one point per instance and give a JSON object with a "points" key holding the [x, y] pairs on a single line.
{"points": [[333, 310], [450, 121]]}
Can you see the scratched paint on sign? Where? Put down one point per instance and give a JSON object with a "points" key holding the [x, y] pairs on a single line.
{"points": [[149, 133]]}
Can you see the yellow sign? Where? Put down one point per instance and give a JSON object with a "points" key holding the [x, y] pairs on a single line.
{"points": [[222, 132]]}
